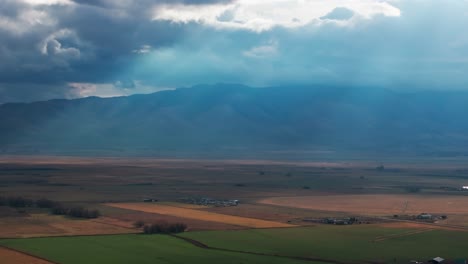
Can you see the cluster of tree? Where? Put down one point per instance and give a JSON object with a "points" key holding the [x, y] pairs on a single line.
{"points": [[56, 208], [78, 212], [163, 228], [45, 203], [139, 224], [21, 202]]}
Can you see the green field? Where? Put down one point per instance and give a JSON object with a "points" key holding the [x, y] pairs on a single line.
{"points": [[344, 243], [355, 244], [126, 249]]}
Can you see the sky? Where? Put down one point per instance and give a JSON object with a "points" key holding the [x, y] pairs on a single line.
{"points": [[79, 48]]}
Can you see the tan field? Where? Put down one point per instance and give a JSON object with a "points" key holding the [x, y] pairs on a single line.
{"points": [[47, 225], [379, 204], [8, 256], [199, 215], [193, 224]]}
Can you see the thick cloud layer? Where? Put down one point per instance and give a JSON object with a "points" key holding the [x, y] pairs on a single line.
{"points": [[75, 48]]}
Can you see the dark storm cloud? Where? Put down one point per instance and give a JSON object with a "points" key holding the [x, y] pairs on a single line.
{"points": [[20, 43], [52, 45]]}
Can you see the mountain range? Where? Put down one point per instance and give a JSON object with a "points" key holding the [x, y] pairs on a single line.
{"points": [[239, 121]]}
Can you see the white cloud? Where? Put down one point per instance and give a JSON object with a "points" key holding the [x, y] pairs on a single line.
{"points": [[48, 2], [143, 49], [261, 15], [262, 51], [79, 90], [52, 45]]}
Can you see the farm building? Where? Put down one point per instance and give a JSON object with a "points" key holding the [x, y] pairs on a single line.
{"points": [[437, 260], [424, 216], [211, 202]]}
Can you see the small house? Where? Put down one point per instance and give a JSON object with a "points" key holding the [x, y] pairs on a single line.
{"points": [[424, 216]]}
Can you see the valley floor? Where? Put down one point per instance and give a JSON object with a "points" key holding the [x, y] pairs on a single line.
{"points": [[281, 217]]}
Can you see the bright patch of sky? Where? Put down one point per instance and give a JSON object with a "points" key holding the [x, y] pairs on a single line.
{"points": [[260, 15], [47, 2]]}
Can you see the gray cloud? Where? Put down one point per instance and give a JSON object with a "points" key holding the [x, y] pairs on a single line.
{"points": [[52, 45]]}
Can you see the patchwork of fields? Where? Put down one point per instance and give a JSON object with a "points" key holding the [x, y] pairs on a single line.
{"points": [[320, 244], [269, 226], [377, 204], [199, 215]]}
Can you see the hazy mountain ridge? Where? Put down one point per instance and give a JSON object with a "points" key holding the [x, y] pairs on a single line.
{"points": [[224, 117]]}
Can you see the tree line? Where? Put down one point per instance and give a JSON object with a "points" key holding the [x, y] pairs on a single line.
{"points": [[55, 207], [161, 227], [21, 202], [78, 212]]}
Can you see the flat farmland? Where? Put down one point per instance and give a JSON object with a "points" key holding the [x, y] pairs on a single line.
{"points": [[376, 204], [142, 249], [351, 244], [318, 244], [199, 215], [272, 195], [129, 217], [101, 180], [39, 225], [271, 212]]}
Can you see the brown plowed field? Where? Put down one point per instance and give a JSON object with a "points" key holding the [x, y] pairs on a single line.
{"points": [[8, 256]]}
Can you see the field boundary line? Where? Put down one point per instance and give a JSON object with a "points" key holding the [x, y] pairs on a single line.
{"points": [[28, 254], [433, 225], [111, 224], [67, 236], [205, 246], [410, 233]]}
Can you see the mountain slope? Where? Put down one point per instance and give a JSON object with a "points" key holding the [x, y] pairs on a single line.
{"points": [[236, 118]]}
